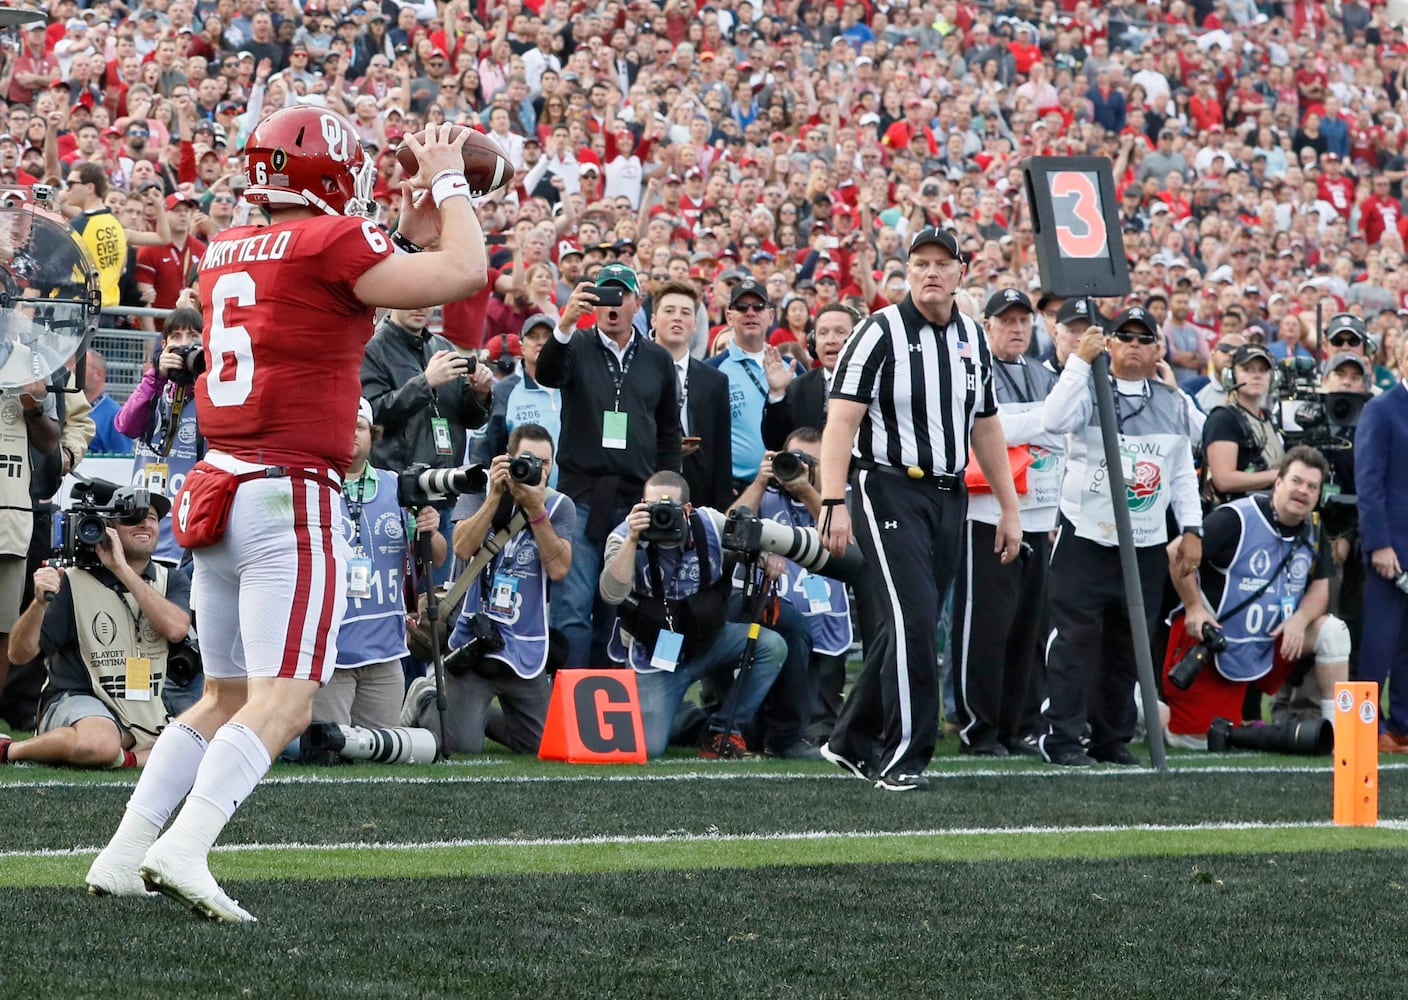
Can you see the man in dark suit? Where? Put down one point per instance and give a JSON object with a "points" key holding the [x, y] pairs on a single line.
{"points": [[703, 397], [1381, 477], [805, 403]]}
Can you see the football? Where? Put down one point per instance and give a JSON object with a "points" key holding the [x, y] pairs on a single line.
{"points": [[485, 166]]}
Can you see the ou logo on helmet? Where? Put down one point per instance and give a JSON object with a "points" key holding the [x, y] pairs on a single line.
{"points": [[338, 139], [1080, 222]]}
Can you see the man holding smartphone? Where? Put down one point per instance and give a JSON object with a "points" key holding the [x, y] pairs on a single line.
{"points": [[620, 425]]}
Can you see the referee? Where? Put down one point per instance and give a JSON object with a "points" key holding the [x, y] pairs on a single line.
{"points": [[912, 390]]}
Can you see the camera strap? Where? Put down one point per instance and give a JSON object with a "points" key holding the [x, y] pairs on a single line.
{"points": [[657, 580], [491, 547]]}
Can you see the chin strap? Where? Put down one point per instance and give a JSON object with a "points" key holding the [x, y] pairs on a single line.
{"points": [[362, 204]]}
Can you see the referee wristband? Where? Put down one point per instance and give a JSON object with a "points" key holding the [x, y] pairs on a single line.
{"points": [[448, 184], [834, 502]]}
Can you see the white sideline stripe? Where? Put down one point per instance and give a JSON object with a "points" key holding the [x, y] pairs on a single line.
{"points": [[733, 773], [726, 838]]}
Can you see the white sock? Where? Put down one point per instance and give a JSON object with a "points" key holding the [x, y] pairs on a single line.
{"points": [[232, 767], [1327, 709], [168, 776]]}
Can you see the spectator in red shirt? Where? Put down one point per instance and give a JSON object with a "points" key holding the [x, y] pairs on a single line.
{"points": [[1334, 186], [1380, 213], [34, 67], [163, 271]]}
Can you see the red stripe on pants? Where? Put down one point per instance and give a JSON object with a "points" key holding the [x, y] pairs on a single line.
{"points": [[293, 638]]}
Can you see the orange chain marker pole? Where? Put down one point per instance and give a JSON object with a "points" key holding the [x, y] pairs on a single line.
{"points": [[1356, 754]]}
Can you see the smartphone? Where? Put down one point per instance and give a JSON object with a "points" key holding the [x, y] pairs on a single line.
{"points": [[496, 239], [828, 243], [691, 441], [608, 295]]}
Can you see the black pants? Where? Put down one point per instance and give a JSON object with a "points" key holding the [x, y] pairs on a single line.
{"points": [[829, 669], [1090, 673], [997, 621], [909, 533]]}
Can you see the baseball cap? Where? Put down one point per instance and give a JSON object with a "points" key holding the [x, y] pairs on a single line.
{"points": [[1248, 353], [746, 287], [172, 200], [364, 411], [537, 319], [1008, 298], [934, 236], [1135, 316], [1344, 323], [589, 168], [618, 274], [1346, 358], [510, 346], [159, 503], [568, 249], [1074, 310]]}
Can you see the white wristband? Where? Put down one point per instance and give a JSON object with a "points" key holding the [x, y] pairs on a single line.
{"points": [[448, 184]]}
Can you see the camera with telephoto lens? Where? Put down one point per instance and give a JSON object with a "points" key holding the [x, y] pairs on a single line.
{"points": [[326, 743], [484, 638], [1186, 670], [79, 530], [667, 523], [526, 469], [750, 535], [421, 486], [183, 661], [192, 364], [790, 465]]}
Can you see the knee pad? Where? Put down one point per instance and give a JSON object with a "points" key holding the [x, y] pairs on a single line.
{"points": [[1332, 643]]}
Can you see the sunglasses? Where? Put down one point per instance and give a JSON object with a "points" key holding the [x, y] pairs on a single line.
{"points": [[1344, 339], [137, 131], [756, 307], [1130, 337], [1226, 349]]}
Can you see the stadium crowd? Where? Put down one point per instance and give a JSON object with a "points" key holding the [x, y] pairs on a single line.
{"points": [[749, 177]]}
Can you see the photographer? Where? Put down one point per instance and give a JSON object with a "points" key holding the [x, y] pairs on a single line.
{"points": [[667, 570], [1241, 445], [1263, 583], [368, 685], [106, 633], [519, 399], [500, 644], [160, 416], [814, 673]]}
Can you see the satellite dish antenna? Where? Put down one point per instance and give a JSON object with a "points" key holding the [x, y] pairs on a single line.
{"points": [[49, 296], [13, 17]]}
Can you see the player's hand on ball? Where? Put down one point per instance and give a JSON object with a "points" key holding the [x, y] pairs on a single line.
{"points": [[439, 151]]}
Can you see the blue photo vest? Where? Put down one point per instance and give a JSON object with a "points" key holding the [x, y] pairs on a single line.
{"points": [[166, 473], [830, 625], [374, 627], [1250, 645], [679, 573], [535, 404], [516, 599]]}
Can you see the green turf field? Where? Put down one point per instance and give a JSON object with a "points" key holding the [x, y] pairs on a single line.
{"points": [[500, 877]]}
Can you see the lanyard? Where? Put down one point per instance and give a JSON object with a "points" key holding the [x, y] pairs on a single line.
{"points": [[618, 370], [743, 363], [1121, 416], [1003, 373], [354, 508]]}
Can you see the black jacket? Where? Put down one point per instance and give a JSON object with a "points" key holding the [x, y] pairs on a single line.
{"points": [[393, 381], [709, 471], [648, 396], [803, 406]]}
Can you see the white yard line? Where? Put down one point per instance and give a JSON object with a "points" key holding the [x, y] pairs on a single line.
{"points": [[721, 772], [682, 837]]}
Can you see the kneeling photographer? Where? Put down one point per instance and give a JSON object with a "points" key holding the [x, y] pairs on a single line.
{"points": [[668, 570], [500, 644], [108, 620], [813, 615], [1256, 613]]}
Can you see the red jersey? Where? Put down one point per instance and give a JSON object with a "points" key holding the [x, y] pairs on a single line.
{"points": [[284, 336], [168, 269], [1339, 192], [1363, 144], [464, 318], [1378, 216]]}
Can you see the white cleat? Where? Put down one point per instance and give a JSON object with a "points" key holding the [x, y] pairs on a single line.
{"points": [[419, 696], [189, 882], [110, 875]]}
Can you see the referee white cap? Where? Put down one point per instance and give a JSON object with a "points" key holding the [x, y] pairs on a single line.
{"points": [[934, 236]]}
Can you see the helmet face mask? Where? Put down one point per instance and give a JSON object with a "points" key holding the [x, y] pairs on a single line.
{"points": [[306, 156]]}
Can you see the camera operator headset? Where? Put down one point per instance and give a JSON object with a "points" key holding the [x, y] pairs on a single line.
{"points": [[108, 625], [160, 416], [1241, 445], [500, 644]]}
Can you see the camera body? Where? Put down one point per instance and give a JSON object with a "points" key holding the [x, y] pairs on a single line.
{"points": [[192, 364], [421, 486], [668, 523], [484, 638], [1186, 670], [526, 469], [43, 195], [790, 465], [79, 530]]}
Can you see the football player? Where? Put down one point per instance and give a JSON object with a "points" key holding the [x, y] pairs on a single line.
{"points": [[288, 309]]}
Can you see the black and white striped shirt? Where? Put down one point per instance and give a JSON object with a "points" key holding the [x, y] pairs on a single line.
{"points": [[923, 387]]}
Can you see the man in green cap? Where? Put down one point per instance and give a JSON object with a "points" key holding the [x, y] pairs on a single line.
{"points": [[620, 425]]}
